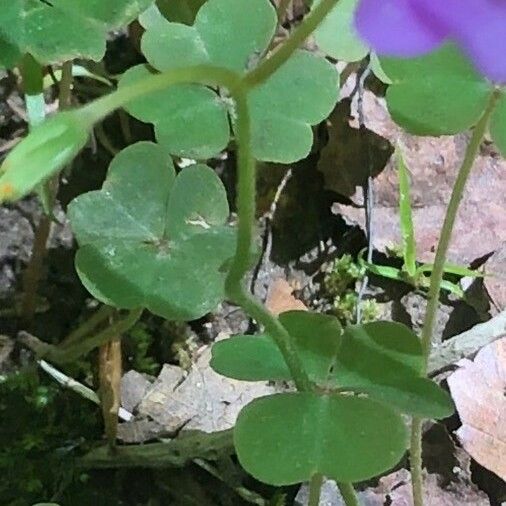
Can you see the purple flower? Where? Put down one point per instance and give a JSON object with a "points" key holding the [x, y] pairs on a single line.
{"points": [[408, 28]]}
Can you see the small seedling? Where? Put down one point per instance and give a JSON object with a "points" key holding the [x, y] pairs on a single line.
{"points": [[411, 272]]}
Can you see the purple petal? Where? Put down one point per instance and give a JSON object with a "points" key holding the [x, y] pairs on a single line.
{"points": [[479, 27], [396, 28]]}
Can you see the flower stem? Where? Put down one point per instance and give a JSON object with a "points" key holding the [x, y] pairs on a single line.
{"points": [[348, 493], [268, 66], [437, 276]]}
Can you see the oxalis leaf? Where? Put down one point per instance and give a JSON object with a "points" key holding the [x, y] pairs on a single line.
{"points": [[233, 34], [436, 94], [287, 438], [61, 30], [151, 239], [382, 359]]}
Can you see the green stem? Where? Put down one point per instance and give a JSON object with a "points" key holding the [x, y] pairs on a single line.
{"points": [[207, 75], [348, 493], [33, 82], [268, 66], [315, 488], [246, 205], [437, 277], [447, 230], [216, 76], [65, 86], [416, 461], [89, 325], [72, 351]]}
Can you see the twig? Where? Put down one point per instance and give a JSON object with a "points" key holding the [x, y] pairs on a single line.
{"points": [[466, 344], [79, 388]]}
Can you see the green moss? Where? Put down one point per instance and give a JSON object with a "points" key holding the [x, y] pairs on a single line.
{"points": [[340, 288]]}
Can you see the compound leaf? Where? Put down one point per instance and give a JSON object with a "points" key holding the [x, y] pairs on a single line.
{"points": [[151, 239], [300, 94], [287, 438]]}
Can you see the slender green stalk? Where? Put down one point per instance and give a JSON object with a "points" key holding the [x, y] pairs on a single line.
{"points": [[88, 326], [208, 75], [437, 277], [348, 493], [315, 488], [65, 86], [416, 461], [246, 205], [268, 66], [32, 79], [447, 229], [72, 351]]}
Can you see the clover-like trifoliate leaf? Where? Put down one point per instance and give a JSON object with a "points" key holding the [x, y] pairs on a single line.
{"points": [[382, 359], [436, 94], [235, 34], [152, 239], [61, 30], [498, 124], [285, 439], [337, 36]]}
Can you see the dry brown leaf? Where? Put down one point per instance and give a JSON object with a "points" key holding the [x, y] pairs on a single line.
{"points": [[196, 400], [433, 162], [351, 154], [280, 298], [478, 389]]}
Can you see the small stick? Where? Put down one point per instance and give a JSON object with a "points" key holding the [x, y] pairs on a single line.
{"points": [[79, 388]]}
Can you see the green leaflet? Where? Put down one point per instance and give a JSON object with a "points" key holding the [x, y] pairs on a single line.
{"points": [[436, 94], [62, 31], [151, 239], [287, 438]]}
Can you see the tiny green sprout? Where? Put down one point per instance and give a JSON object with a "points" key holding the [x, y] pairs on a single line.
{"points": [[45, 151], [411, 273]]}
